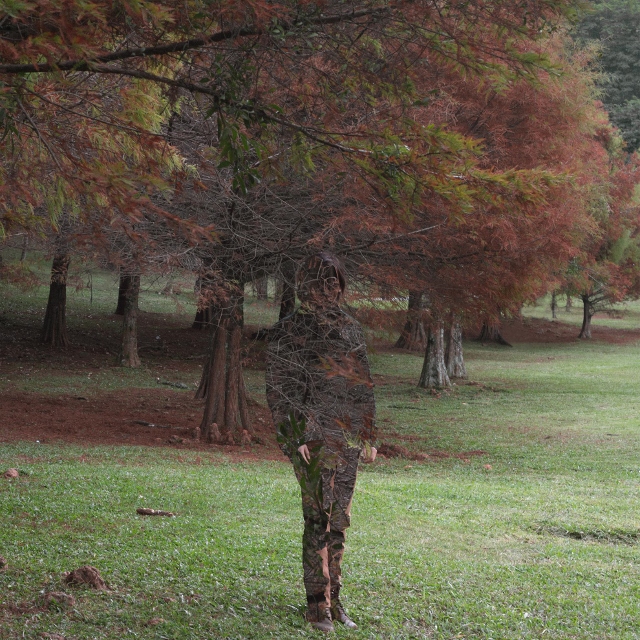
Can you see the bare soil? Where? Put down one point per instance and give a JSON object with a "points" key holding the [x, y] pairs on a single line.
{"points": [[546, 331], [119, 418]]}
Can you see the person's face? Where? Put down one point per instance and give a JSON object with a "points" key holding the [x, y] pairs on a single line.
{"points": [[323, 291]]}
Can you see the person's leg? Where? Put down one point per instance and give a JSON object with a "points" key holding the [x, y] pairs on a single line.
{"points": [[315, 556], [339, 520]]}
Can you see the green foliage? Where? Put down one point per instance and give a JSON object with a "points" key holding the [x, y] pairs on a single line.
{"points": [[615, 25]]}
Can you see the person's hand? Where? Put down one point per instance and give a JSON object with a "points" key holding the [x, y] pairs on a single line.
{"points": [[303, 450], [369, 455]]}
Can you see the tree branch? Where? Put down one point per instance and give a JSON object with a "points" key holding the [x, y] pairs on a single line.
{"points": [[180, 47], [34, 126]]}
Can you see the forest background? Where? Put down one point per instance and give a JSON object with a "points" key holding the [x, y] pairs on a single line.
{"points": [[456, 157], [462, 159]]}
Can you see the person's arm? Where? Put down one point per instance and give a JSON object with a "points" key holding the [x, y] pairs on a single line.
{"points": [[361, 394], [287, 389]]}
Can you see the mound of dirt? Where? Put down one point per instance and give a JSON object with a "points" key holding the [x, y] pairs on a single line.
{"points": [[86, 575], [59, 599]]}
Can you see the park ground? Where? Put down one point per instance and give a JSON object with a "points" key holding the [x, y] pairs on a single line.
{"points": [[511, 513]]}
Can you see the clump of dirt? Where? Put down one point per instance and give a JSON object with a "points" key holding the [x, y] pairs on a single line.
{"points": [[389, 450], [86, 575], [142, 511], [3, 563], [55, 599], [11, 473]]}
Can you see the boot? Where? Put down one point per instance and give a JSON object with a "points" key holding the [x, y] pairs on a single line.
{"points": [[319, 616], [338, 613]]}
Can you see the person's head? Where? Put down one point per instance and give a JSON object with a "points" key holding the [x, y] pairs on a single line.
{"points": [[320, 280]]}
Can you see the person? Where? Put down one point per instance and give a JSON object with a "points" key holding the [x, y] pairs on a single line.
{"points": [[320, 393]]}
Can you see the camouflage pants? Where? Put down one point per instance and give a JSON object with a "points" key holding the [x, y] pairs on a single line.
{"points": [[326, 507]]}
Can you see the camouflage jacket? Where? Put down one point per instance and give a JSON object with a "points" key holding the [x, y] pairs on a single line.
{"points": [[318, 372]]}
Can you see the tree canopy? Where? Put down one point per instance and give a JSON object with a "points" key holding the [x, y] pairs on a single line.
{"points": [[451, 148], [615, 26]]}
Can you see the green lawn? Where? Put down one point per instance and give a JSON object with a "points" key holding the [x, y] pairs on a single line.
{"points": [[446, 549], [538, 538]]}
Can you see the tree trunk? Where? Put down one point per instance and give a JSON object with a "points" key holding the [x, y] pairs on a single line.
{"points": [[23, 252], [125, 282], [128, 356], [554, 306], [587, 314], [568, 305], [204, 318], [288, 290], [226, 415], [454, 358], [206, 312], [491, 333], [413, 336], [54, 328], [434, 371]]}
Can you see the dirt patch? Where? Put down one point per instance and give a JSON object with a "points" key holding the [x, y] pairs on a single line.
{"points": [[592, 535], [148, 417], [86, 575], [531, 330], [545, 331], [142, 511], [163, 416], [59, 600], [22, 608], [391, 450]]}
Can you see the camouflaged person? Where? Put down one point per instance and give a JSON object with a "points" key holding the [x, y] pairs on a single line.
{"points": [[320, 393]]}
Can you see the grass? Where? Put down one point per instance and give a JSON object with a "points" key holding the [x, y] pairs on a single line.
{"points": [[624, 315], [537, 538]]}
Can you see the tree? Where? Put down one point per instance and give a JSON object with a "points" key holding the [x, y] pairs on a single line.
{"points": [[434, 369], [328, 108], [607, 269], [128, 352], [124, 282], [453, 357], [222, 385], [60, 125], [523, 226], [54, 328], [614, 25], [414, 335]]}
